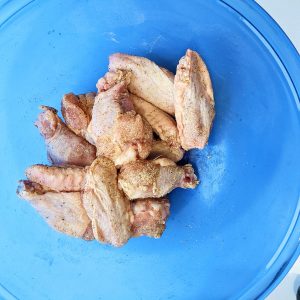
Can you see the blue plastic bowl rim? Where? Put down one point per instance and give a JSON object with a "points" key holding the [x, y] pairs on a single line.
{"points": [[289, 57], [287, 54]]}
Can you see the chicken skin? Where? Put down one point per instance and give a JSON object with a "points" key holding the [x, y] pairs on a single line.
{"points": [[63, 146], [154, 179], [77, 111], [112, 78], [114, 158], [147, 80], [105, 204], [119, 133], [194, 101], [149, 216], [162, 123], [91, 192], [62, 211], [59, 179], [164, 126], [164, 149]]}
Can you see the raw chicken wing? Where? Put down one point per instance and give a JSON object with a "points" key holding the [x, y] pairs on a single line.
{"points": [[118, 131], [164, 149], [56, 191], [77, 111], [107, 207], [150, 216], [147, 80], [60, 179], [63, 146], [194, 101], [62, 211], [162, 123], [112, 78], [143, 179]]}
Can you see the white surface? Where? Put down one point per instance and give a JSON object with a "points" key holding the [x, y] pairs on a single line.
{"points": [[287, 289], [287, 15]]}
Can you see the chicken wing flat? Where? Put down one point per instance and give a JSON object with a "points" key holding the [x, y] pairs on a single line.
{"points": [[150, 179], [62, 211], [194, 101], [149, 216], [118, 131], [147, 80], [77, 111], [168, 73], [164, 149], [162, 123], [128, 125], [94, 188], [106, 205], [111, 78], [63, 146], [60, 179]]}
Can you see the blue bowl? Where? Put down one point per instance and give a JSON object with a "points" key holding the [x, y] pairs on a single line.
{"points": [[237, 234]]}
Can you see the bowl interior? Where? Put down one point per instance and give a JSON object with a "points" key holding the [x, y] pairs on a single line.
{"points": [[222, 237]]}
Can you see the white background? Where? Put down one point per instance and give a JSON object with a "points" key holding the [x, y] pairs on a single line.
{"points": [[287, 14]]}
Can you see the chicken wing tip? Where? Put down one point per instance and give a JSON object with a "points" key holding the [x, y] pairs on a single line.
{"points": [[47, 108], [26, 186]]}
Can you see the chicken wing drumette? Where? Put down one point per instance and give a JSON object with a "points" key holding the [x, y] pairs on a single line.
{"points": [[63, 145], [162, 123], [156, 178], [117, 130]]}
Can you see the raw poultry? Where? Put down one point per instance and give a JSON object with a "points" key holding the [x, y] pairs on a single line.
{"points": [[63, 211], [116, 129], [86, 203], [63, 146], [77, 111], [194, 101], [156, 178], [147, 80], [114, 161]]}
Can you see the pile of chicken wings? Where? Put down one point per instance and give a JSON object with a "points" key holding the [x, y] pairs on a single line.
{"points": [[113, 159]]}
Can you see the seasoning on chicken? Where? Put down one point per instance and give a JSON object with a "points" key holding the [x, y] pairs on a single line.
{"points": [[83, 194], [112, 78], [144, 179], [63, 145], [91, 194], [194, 101], [105, 204], [77, 111], [60, 179], [118, 131], [62, 211], [164, 149], [162, 123], [149, 216], [147, 80], [164, 126]]}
